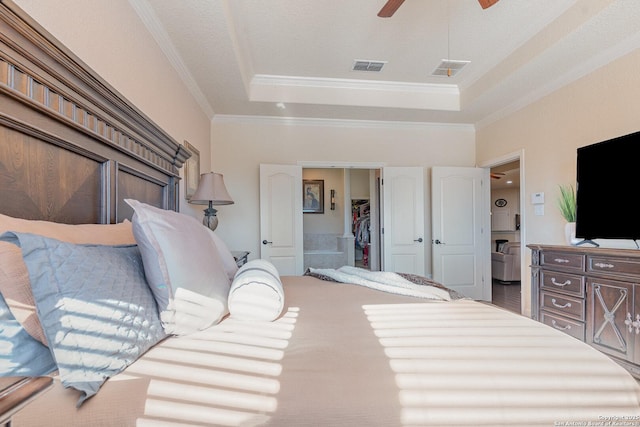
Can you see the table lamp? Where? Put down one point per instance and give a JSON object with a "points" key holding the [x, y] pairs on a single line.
{"points": [[211, 191]]}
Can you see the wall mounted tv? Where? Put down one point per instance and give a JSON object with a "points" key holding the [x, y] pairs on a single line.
{"points": [[608, 179]]}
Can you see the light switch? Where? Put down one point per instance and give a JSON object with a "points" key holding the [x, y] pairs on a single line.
{"points": [[539, 209], [537, 198]]}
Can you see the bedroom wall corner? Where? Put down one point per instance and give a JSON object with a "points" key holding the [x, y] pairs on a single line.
{"points": [[598, 106]]}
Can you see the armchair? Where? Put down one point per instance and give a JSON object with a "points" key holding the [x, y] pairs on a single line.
{"points": [[505, 265]]}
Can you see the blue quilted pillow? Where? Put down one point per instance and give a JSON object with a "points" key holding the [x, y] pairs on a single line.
{"points": [[20, 353], [95, 306]]}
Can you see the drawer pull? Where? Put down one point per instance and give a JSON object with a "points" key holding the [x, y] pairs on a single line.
{"points": [[566, 282], [603, 265], [561, 260], [562, 328], [633, 324], [553, 301]]}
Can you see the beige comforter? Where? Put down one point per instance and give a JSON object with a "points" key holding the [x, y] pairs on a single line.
{"points": [[344, 355]]}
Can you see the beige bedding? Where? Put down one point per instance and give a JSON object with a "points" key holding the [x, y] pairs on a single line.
{"points": [[344, 355]]}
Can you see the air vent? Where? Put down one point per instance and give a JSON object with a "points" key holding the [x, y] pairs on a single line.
{"points": [[374, 66], [449, 68]]}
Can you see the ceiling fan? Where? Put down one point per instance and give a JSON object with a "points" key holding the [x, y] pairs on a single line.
{"points": [[497, 175], [391, 6]]}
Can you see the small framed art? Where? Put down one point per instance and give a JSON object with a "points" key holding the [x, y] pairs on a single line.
{"points": [[313, 196], [191, 171]]}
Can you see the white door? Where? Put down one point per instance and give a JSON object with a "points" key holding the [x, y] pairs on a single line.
{"points": [[281, 217], [461, 230], [403, 219]]}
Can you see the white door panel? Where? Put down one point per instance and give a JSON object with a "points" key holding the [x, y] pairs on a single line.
{"points": [[281, 217], [461, 230], [403, 219]]}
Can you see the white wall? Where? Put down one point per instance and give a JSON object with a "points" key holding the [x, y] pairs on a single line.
{"points": [[331, 221], [112, 40], [240, 145], [360, 183], [507, 213], [599, 106]]}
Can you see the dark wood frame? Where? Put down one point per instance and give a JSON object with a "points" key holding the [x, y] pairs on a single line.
{"points": [[71, 147], [317, 189], [191, 171]]}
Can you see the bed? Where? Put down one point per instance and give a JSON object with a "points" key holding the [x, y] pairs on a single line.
{"points": [[78, 160]]}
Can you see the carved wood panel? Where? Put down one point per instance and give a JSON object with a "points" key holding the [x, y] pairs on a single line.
{"points": [[134, 185], [609, 303], [42, 181]]}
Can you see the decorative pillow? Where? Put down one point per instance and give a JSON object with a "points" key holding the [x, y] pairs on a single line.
{"points": [[96, 309], [179, 254], [20, 353], [14, 278], [256, 292]]}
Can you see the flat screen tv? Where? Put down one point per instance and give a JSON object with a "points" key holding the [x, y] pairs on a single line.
{"points": [[608, 183]]}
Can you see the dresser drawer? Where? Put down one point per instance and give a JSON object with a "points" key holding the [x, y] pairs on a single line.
{"points": [[608, 265], [563, 305], [570, 327], [574, 262], [571, 284]]}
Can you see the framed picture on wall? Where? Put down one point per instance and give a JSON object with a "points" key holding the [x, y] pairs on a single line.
{"points": [[191, 171], [313, 196]]}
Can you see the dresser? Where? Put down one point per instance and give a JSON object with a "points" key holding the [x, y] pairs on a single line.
{"points": [[592, 294]]}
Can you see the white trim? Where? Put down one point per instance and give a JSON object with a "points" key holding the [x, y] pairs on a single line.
{"points": [[506, 158], [157, 31], [322, 82], [524, 260], [240, 49], [347, 123], [354, 92], [576, 73], [329, 164]]}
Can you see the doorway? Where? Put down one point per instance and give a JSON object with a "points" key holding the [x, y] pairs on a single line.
{"points": [[506, 234], [346, 230]]}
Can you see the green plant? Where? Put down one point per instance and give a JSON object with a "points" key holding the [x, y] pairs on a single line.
{"points": [[567, 202]]}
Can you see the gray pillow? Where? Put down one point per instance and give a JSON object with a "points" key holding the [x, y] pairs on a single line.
{"points": [[20, 353], [96, 309]]}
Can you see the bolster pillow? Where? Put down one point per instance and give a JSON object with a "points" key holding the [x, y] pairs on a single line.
{"points": [[256, 292]]}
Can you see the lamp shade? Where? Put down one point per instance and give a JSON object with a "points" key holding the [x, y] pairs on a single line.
{"points": [[211, 189]]}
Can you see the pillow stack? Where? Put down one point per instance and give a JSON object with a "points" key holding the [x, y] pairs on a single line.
{"points": [[95, 312], [188, 268], [94, 306], [89, 299], [14, 277]]}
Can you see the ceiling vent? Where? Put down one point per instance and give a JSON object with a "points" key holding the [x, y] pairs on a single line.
{"points": [[374, 66], [449, 68]]}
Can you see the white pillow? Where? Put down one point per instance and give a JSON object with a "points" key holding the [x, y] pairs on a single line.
{"points": [[228, 261], [256, 292], [179, 253]]}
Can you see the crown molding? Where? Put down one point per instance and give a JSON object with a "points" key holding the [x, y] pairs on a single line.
{"points": [[583, 69], [343, 123], [152, 23], [354, 92]]}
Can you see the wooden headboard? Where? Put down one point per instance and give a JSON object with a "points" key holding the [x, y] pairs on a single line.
{"points": [[71, 147]]}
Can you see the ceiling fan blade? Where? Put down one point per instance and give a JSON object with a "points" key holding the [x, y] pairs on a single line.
{"points": [[487, 3], [390, 8]]}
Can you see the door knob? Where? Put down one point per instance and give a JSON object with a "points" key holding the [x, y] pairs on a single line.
{"points": [[438, 242], [264, 242], [419, 240]]}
